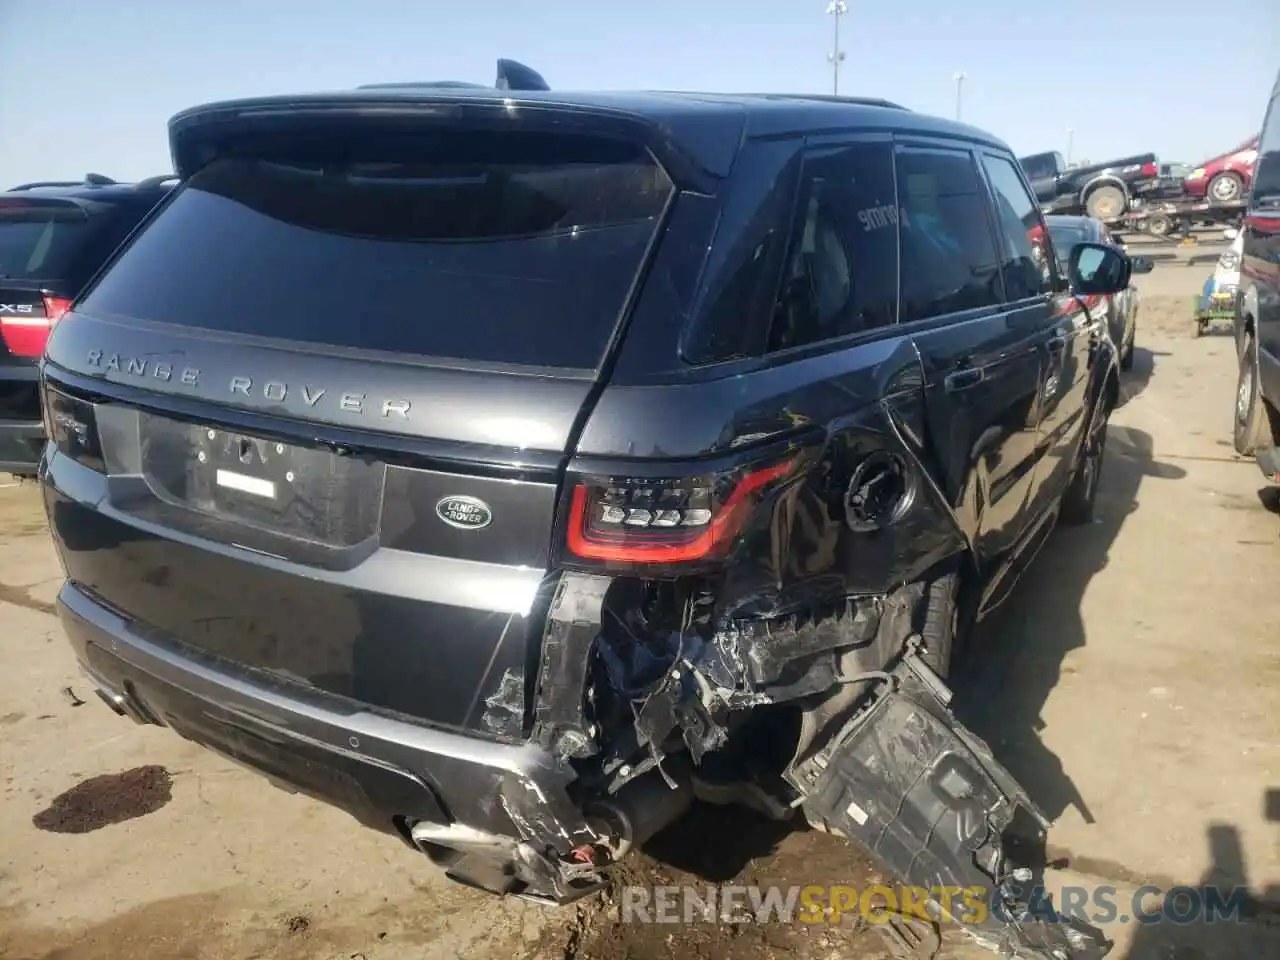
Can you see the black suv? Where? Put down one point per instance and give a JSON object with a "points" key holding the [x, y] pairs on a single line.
{"points": [[53, 237], [1257, 326], [510, 468]]}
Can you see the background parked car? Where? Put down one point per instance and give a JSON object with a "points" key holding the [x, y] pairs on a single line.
{"points": [[1121, 308], [1225, 178], [1102, 190], [53, 237]]}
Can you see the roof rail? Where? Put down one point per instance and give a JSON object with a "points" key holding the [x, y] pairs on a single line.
{"points": [[47, 183], [831, 98], [150, 182], [90, 180], [417, 84], [511, 75]]}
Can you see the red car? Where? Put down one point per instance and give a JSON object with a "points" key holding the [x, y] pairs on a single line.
{"points": [[1224, 179]]}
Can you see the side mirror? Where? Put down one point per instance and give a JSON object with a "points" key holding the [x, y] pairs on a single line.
{"points": [[1097, 268], [1141, 264], [1230, 233]]}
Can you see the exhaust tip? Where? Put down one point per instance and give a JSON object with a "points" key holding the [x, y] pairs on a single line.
{"points": [[122, 706], [115, 701]]}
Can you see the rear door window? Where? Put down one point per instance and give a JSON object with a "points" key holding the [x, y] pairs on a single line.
{"points": [[1020, 224], [841, 274], [516, 248], [949, 259], [1266, 175]]}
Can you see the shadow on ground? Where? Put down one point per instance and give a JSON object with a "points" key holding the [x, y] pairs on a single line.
{"points": [[1016, 658], [1135, 380], [1247, 929]]}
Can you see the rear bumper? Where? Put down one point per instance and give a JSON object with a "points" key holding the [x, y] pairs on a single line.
{"points": [[387, 773], [21, 443]]}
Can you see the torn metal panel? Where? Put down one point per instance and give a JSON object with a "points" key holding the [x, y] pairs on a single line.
{"points": [[573, 623], [709, 680], [903, 778], [504, 708]]}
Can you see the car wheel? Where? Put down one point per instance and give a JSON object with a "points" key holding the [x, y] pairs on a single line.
{"points": [[946, 623], [1160, 225], [1252, 426], [1226, 188], [1105, 203], [1078, 501]]}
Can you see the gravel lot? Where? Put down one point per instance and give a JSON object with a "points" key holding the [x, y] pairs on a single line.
{"points": [[1131, 685]]}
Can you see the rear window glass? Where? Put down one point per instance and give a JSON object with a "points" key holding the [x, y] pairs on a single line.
{"points": [[512, 248], [39, 241], [1065, 237]]}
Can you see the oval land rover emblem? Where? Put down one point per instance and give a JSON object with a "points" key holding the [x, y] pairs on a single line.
{"points": [[465, 513]]}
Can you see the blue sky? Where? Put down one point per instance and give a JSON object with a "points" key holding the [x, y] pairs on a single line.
{"points": [[89, 85]]}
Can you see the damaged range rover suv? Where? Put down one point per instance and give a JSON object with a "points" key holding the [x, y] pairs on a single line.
{"points": [[511, 468]]}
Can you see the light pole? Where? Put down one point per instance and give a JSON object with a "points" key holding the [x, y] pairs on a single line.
{"points": [[960, 77], [1070, 134], [836, 9]]}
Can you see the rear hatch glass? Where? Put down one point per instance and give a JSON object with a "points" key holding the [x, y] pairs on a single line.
{"points": [[505, 248], [40, 239]]}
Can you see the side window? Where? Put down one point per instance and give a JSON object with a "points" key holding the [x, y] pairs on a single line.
{"points": [[1025, 275], [1266, 176], [841, 270], [949, 260]]}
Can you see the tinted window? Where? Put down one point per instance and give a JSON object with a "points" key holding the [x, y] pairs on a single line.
{"points": [[949, 259], [1266, 175], [511, 248], [1065, 236], [1020, 223], [1041, 166], [38, 241], [841, 270]]}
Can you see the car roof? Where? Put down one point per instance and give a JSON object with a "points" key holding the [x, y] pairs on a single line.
{"points": [[751, 115], [771, 112]]}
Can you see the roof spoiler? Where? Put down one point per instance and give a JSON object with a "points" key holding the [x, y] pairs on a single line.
{"points": [[511, 75], [151, 182]]}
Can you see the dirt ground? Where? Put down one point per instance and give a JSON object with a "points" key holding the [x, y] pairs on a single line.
{"points": [[1131, 685]]}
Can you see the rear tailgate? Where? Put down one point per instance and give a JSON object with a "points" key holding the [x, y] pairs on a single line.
{"points": [[335, 384], [39, 239]]}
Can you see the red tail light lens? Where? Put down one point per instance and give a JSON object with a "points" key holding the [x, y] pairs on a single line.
{"points": [[55, 307], [1150, 170], [644, 521], [25, 335]]}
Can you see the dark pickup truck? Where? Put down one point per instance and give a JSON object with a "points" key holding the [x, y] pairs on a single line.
{"points": [[1104, 191]]}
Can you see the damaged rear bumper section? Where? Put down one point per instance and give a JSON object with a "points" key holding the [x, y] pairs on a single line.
{"points": [[895, 772], [493, 815]]}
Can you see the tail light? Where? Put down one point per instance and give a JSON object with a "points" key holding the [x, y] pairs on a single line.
{"points": [[621, 520], [1150, 170], [72, 428], [26, 335]]}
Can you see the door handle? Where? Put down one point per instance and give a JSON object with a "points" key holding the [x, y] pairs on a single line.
{"points": [[1057, 344], [964, 379]]}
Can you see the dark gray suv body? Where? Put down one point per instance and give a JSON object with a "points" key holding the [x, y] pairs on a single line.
{"points": [[1257, 326], [510, 468]]}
